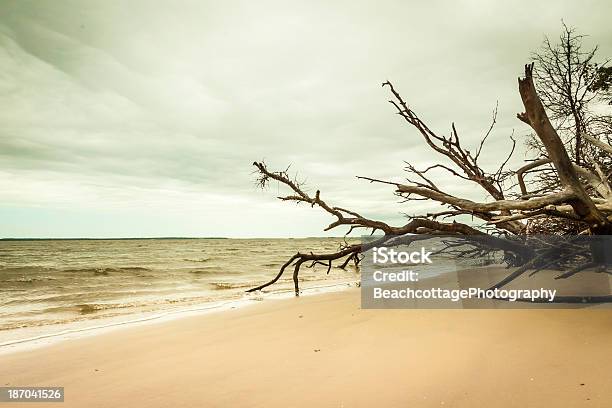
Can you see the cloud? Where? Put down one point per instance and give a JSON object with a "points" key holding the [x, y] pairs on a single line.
{"points": [[114, 106]]}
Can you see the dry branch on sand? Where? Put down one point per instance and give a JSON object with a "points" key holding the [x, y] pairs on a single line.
{"points": [[581, 195]]}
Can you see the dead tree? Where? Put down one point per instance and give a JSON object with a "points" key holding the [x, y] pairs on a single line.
{"points": [[566, 75], [581, 195], [573, 84]]}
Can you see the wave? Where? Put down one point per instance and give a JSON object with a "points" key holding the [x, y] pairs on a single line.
{"points": [[95, 270], [88, 308], [232, 285], [202, 271], [23, 279], [105, 271], [25, 269], [48, 284]]}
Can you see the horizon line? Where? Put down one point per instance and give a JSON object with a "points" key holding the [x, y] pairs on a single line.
{"points": [[145, 238]]}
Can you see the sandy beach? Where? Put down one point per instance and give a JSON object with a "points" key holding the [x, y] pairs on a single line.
{"points": [[325, 351]]}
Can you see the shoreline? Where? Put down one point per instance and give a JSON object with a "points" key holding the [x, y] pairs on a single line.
{"points": [[143, 318], [276, 353], [486, 277]]}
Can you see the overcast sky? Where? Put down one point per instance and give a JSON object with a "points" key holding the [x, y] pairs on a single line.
{"points": [[142, 118]]}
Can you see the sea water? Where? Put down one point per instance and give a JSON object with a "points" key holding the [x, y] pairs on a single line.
{"points": [[54, 286]]}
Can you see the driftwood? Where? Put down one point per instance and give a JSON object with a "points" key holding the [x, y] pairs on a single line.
{"points": [[581, 195]]}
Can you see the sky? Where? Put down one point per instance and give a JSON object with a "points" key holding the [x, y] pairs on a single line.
{"points": [[142, 118]]}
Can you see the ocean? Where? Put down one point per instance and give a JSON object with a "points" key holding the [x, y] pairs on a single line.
{"points": [[55, 286]]}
